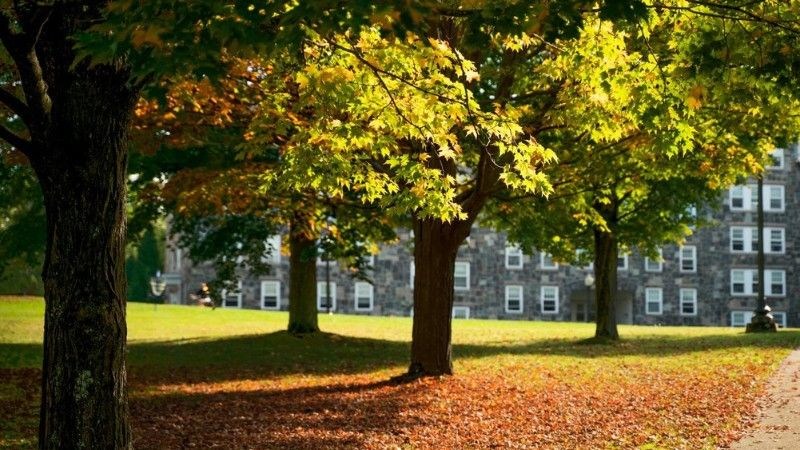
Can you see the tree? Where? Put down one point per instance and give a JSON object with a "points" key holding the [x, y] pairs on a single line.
{"points": [[419, 129], [683, 143], [213, 187], [76, 113]]}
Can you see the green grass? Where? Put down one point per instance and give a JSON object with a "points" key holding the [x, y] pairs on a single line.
{"points": [[180, 344]]}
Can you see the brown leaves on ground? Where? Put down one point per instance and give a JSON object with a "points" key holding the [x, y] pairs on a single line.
{"points": [[673, 409]]}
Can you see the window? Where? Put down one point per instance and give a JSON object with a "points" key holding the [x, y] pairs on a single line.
{"points": [[745, 240], [411, 271], [513, 258], [688, 259], [737, 198], [778, 159], [461, 276], [549, 299], [271, 295], [745, 198], [745, 282], [546, 262], [688, 302], [654, 265], [323, 302], [777, 282], [514, 299], [775, 240], [653, 299], [622, 262], [273, 247], [233, 299], [365, 296], [460, 312], [774, 196], [742, 318]]}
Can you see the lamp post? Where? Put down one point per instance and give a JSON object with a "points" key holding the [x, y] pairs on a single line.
{"points": [[157, 286], [588, 281], [762, 318]]}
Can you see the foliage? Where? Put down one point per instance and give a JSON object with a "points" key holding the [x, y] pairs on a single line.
{"points": [[143, 260], [664, 387], [22, 227]]}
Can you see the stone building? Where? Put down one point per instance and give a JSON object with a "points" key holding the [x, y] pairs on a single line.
{"points": [[710, 280]]}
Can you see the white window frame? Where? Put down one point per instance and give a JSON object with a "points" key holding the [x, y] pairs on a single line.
{"points": [[659, 261], [370, 294], [692, 299], [512, 252], [411, 273], [749, 275], [465, 265], [750, 198], [778, 157], [648, 300], [321, 294], [681, 258], [739, 192], [543, 256], [750, 237], [769, 188], [460, 310], [238, 296], [768, 240], [274, 242], [542, 294], [510, 290], [747, 317], [768, 275], [277, 285], [624, 265]]}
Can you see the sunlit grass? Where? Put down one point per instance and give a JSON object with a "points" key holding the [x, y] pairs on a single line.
{"points": [[186, 353]]}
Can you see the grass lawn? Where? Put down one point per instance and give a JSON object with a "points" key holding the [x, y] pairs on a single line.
{"points": [[233, 379]]}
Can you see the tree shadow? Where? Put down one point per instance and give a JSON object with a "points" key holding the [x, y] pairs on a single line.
{"points": [[333, 416], [279, 353]]}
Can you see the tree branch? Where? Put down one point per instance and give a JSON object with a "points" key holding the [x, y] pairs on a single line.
{"points": [[15, 105], [22, 48], [17, 142]]}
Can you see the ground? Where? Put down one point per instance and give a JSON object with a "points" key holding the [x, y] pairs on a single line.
{"points": [[202, 378]]}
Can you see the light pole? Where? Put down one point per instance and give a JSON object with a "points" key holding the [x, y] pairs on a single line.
{"points": [[762, 318], [588, 282], [157, 286]]}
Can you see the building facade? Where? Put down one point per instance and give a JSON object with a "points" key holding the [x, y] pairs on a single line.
{"points": [[711, 280]]}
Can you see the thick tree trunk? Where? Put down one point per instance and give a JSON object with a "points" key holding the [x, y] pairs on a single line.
{"points": [[81, 165], [606, 253], [435, 249], [302, 277]]}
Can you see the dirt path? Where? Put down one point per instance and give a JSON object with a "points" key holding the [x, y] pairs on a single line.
{"points": [[779, 420]]}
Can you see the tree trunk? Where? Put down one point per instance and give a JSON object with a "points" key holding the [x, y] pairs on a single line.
{"points": [[435, 248], [606, 253], [81, 164], [302, 277]]}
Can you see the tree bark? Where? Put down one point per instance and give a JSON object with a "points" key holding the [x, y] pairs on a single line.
{"points": [[606, 253], [302, 277], [81, 164], [435, 249]]}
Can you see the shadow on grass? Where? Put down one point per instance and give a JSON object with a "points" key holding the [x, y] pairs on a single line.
{"points": [[333, 416], [275, 354]]}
